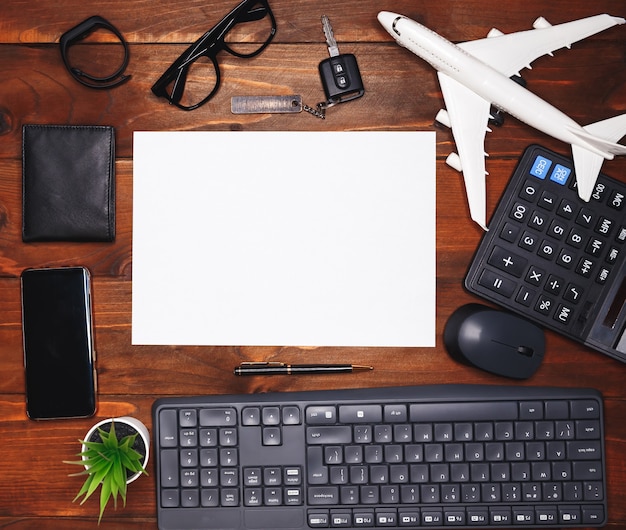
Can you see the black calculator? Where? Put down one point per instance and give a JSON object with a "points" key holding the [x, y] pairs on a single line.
{"points": [[555, 259]]}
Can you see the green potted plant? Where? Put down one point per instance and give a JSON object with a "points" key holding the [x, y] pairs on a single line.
{"points": [[114, 453]]}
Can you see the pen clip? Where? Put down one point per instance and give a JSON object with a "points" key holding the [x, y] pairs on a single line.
{"points": [[247, 364]]}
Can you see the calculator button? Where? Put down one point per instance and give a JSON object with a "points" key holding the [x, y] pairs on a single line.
{"points": [[560, 175], [529, 241], [573, 293], [621, 234], [554, 285], [547, 201], [557, 229], [519, 212], [507, 261], [525, 296], [585, 218], [535, 275], [566, 209], [576, 238], [599, 191], [616, 200], [563, 314], [603, 275], [529, 191], [544, 305], [497, 283], [585, 267], [540, 167], [604, 226], [509, 232], [538, 220], [565, 259], [594, 246], [547, 250], [612, 255]]}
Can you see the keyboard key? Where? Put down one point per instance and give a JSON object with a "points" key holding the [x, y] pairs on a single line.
{"points": [[218, 417], [321, 415], [270, 416], [188, 418], [251, 416], [291, 415], [168, 428], [583, 450], [169, 468], [360, 413], [327, 495], [587, 409], [318, 519], [340, 434]]}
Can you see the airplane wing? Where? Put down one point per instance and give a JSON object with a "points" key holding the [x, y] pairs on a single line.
{"points": [[510, 53], [469, 115]]}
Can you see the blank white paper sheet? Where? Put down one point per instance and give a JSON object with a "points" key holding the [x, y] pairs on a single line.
{"points": [[284, 238]]}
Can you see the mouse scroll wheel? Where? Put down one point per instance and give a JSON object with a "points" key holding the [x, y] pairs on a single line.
{"points": [[525, 350]]}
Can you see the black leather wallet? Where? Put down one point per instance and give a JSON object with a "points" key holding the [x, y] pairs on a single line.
{"points": [[68, 183]]}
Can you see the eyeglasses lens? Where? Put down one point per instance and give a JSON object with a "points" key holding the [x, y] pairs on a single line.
{"points": [[197, 81], [252, 31], [249, 34]]}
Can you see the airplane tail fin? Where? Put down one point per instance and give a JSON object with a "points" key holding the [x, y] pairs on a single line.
{"points": [[588, 165], [601, 138], [603, 135], [611, 130]]}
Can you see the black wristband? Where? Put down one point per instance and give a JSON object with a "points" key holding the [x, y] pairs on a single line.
{"points": [[80, 32]]}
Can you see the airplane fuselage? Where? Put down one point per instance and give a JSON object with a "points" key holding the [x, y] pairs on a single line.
{"points": [[487, 82]]}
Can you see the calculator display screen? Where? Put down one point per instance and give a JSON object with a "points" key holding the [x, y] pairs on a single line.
{"points": [[612, 316]]}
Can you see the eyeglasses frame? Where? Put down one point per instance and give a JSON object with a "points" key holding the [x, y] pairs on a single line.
{"points": [[209, 45]]}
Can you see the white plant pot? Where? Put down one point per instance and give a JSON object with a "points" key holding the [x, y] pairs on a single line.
{"points": [[135, 424]]}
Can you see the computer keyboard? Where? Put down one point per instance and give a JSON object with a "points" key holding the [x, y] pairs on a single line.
{"points": [[396, 457]]}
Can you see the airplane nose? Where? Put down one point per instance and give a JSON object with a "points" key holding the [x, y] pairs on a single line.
{"points": [[388, 20]]}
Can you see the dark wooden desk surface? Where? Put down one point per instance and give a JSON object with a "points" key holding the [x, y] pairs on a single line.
{"points": [[587, 82]]}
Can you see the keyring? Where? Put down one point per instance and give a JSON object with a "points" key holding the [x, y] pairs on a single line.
{"points": [[82, 31]]}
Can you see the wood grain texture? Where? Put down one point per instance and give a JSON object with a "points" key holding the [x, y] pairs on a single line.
{"points": [[588, 82]]}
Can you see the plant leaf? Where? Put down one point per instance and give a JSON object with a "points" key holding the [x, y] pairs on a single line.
{"points": [[105, 494]]}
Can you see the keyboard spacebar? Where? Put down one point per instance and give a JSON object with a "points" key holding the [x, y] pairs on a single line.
{"points": [[191, 518], [264, 518], [231, 518]]}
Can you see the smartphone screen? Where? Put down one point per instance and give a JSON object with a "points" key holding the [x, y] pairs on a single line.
{"points": [[58, 343]]}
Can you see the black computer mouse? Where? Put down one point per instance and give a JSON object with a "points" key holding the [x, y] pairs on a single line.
{"points": [[496, 341]]}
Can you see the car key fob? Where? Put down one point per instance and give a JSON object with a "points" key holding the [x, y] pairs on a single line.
{"points": [[340, 73], [341, 78]]}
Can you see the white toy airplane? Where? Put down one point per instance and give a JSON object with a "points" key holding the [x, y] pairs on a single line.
{"points": [[476, 74]]}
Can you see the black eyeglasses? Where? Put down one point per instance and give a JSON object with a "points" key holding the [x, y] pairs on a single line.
{"points": [[194, 78]]}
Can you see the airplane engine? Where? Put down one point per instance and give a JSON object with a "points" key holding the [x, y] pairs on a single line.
{"points": [[454, 161], [541, 23], [494, 32], [443, 117]]}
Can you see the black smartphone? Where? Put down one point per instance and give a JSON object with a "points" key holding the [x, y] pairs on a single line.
{"points": [[59, 356]]}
